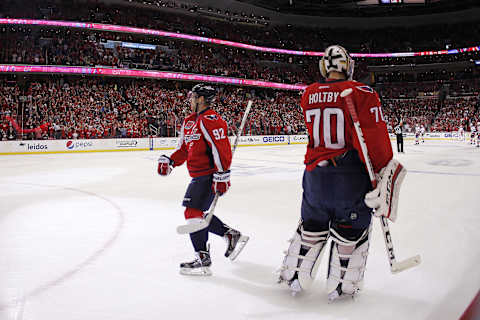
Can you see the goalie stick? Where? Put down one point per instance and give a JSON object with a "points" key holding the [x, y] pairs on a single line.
{"points": [[395, 266], [194, 227]]}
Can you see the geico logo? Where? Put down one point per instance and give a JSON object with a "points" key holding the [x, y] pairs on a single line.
{"points": [[273, 139], [37, 146]]}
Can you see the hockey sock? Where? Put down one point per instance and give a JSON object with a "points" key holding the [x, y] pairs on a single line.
{"points": [[217, 227], [199, 240]]}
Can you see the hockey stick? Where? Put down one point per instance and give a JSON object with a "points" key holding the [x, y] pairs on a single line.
{"points": [[194, 227], [395, 266]]}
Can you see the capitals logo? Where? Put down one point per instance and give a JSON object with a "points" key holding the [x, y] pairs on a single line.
{"points": [[192, 136], [212, 117], [70, 144], [189, 125]]}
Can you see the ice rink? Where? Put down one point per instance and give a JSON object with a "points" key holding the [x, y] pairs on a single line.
{"points": [[92, 236]]}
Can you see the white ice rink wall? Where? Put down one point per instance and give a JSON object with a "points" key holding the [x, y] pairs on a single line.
{"points": [[143, 144]]}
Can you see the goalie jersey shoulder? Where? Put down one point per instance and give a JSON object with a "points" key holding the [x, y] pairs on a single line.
{"points": [[365, 88]]}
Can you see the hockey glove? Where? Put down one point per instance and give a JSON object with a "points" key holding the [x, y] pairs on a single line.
{"points": [[384, 198], [221, 182], [165, 165]]}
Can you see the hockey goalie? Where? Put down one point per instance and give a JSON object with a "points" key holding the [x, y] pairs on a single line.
{"points": [[338, 199]]}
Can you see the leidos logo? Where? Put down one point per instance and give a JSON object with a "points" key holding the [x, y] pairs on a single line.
{"points": [[78, 144], [36, 146]]}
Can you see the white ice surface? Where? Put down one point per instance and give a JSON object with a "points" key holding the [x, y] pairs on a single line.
{"points": [[92, 237]]}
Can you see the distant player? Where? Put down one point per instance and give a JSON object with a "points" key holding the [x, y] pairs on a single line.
{"points": [[478, 134], [473, 134], [337, 193], [399, 134], [204, 145], [461, 133], [422, 133], [417, 134]]}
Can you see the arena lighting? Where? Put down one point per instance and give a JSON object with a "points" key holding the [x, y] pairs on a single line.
{"points": [[165, 75], [114, 28], [142, 46]]}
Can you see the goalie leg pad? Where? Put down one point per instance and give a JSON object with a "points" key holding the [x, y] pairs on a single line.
{"points": [[347, 263], [302, 258]]}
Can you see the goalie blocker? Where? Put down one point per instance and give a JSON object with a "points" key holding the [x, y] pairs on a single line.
{"points": [[384, 198]]}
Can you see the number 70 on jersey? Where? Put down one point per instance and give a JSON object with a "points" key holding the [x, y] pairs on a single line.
{"points": [[337, 130]]}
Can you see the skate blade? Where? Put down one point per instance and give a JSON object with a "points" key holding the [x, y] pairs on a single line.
{"points": [[334, 296], [295, 287], [239, 247], [205, 271]]}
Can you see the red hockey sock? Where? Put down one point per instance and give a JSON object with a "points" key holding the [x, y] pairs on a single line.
{"points": [[193, 213]]}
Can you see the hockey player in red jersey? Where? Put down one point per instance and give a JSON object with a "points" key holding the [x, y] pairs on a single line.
{"points": [[337, 193], [205, 146]]}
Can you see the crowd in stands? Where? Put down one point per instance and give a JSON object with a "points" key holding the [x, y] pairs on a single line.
{"points": [[434, 114], [103, 108], [58, 46], [398, 39], [415, 89], [89, 109], [71, 47], [66, 46], [92, 108], [455, 113]]}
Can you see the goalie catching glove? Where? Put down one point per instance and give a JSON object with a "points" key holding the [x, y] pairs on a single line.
{"points": [[165, 165], [221, 182], [384, 198]]}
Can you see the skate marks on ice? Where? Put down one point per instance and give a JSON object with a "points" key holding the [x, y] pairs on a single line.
{"points": [[451, 162], [451, 296], [72, 197], [269, 300], [248, 170], [471, 174]]}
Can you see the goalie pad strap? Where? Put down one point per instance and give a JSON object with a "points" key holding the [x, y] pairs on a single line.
{"points": [[313, 236], [336, 237], [299, 256]]}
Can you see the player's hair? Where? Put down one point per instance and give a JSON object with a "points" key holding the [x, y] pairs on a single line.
{"points": [[336, 58]]}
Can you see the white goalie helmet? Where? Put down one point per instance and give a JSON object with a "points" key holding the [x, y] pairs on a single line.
{"points": [[336, 58]]}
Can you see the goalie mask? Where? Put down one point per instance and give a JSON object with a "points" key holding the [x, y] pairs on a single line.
{"points": [[336, 58]]}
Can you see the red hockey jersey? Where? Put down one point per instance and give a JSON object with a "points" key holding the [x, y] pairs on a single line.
{"points": [[204, 144], [330, 127]]}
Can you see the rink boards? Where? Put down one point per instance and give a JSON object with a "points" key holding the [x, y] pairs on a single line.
{"points": [[144, 144]]}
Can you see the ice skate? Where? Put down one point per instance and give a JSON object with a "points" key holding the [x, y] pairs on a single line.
{"points": [[198, 267], [293, 285], [338, 294], [235, 243]]}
